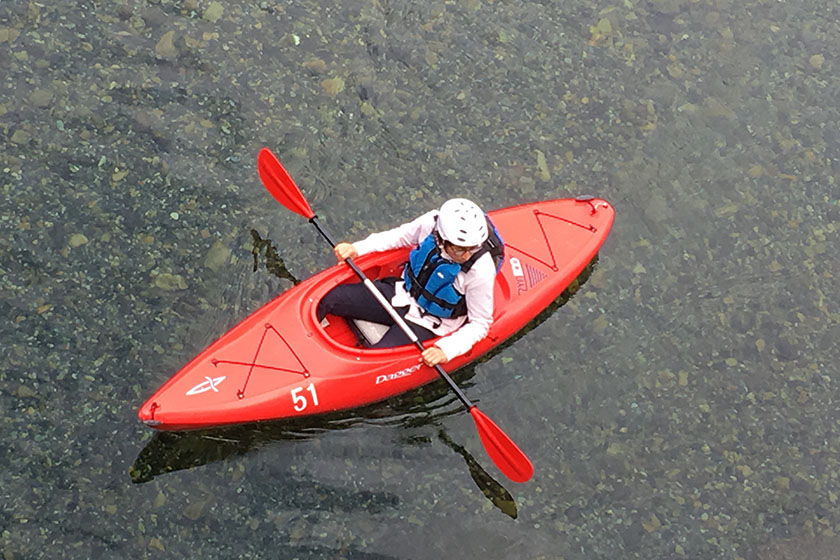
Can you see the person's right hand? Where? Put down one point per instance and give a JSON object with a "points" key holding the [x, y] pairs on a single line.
{"points": [[345, 251]]}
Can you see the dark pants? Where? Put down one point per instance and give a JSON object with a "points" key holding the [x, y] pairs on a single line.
{"points": [[354, 301]]}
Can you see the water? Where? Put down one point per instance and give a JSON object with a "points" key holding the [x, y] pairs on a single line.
{"points": [[681, 405]]}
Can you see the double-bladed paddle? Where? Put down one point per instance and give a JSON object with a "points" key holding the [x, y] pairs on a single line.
{"points": [[502, 450]]}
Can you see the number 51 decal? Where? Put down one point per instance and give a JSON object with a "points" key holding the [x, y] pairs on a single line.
{"points": [[300, 402]]}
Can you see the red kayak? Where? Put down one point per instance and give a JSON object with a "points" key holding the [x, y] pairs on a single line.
{"points": [[281, 363]]}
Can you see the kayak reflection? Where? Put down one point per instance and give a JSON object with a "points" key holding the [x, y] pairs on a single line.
{"points": [[425, 406], [173, 451]]}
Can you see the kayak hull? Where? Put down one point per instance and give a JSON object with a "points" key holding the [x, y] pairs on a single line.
{"points": [[281, 363]]}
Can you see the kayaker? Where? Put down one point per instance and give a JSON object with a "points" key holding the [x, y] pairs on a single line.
{"points": [[446, 288]]}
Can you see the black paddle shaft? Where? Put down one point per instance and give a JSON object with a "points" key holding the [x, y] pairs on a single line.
{"points": [[315, 222]]}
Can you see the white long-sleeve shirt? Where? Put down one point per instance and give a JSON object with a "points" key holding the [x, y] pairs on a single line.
{"points": [[459, 333]]}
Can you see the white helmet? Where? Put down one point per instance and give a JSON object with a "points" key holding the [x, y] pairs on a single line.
{"points": [[462, 222]]}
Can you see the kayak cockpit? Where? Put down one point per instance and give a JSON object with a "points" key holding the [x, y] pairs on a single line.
{"points": [[360, 335]]}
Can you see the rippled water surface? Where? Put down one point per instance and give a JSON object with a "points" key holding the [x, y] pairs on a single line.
{"points": [[682, 404]]}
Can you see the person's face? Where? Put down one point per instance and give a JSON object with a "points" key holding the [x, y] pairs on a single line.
{"points": [[459, 254]]}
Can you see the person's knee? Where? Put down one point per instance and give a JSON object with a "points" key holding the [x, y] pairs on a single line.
{"points": [[326, 305]]}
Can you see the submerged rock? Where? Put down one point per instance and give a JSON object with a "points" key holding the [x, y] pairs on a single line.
{"points": [[170, 282]]}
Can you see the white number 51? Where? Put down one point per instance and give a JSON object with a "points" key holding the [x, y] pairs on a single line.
{"points": [[300, 401]]}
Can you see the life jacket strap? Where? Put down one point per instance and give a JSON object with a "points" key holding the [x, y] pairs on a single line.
{"points": [[417, 289]]}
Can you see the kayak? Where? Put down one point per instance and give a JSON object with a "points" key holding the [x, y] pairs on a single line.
{"points": [[281, 362]]}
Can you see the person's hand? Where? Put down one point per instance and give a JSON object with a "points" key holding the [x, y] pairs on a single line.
{"points": [[344, 251], [433, 356]]}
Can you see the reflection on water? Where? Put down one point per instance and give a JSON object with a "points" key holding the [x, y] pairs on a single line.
{"points": [[427, 405], [489, 486], [273, 262], [172, 451]]}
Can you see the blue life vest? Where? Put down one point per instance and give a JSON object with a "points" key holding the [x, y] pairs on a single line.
{"points": [[430, 278]]}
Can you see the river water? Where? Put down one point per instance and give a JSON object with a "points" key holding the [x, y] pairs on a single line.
{"points": [[682, 404]]}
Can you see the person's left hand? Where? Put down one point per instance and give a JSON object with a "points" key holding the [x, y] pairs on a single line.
{"points": [[344, 251], [433, 356]]}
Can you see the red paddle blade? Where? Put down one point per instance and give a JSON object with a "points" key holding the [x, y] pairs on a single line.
{"points": [[504, 453], [278, 182]]}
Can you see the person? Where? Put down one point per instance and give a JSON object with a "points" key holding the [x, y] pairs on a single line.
{"points": [[446, 288]]}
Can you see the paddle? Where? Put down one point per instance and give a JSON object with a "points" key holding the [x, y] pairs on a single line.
{"points": [[502, 450]]}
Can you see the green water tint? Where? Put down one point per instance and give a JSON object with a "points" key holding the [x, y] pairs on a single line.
{"points": [[683, 405]]}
